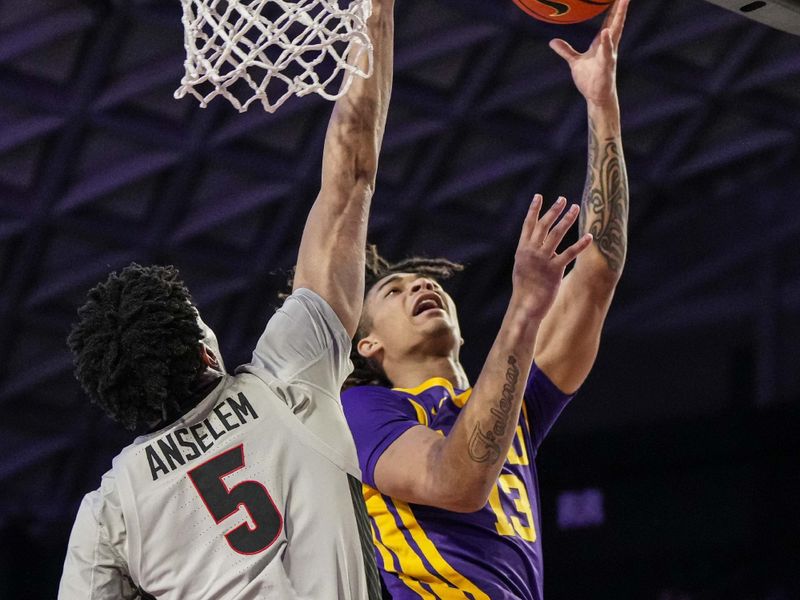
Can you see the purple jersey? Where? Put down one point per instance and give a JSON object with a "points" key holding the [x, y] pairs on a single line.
{"points": [[425, 552]]}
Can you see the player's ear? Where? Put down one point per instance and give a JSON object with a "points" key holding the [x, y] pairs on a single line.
{"points": [[208, 357], [369, 347]]}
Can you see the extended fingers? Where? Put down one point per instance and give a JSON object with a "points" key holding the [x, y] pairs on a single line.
{"points": [[607, 44], [564, 50], [531, 219], [620, 11], [542, 229], [571, 253], [558, 232]]}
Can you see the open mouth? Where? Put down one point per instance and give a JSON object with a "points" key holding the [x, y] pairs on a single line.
{"points": [[427, 302]]}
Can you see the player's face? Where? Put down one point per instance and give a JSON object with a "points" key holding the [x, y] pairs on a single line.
{"points": [[408, 313]]}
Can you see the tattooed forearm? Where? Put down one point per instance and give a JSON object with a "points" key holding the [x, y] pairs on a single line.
{"points": [[604, 209], [484, 446]]}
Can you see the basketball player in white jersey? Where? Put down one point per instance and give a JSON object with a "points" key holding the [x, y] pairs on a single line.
{"points": [[247, 486]]}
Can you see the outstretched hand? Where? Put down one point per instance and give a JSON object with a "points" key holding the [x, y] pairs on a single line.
{"points": [[594, 71], [538, 270]]}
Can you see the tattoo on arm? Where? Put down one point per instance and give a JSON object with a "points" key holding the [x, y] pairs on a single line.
{"points": [[604, 209], [484, 446]]}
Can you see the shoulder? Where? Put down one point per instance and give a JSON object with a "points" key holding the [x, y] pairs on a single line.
{"points": [[101, 507], [376, 416], [365, 393], [373, 398], [303, 340], [316, 306], [364, 405]]}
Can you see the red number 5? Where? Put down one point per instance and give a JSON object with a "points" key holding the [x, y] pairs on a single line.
{"points": [[222, 502]]}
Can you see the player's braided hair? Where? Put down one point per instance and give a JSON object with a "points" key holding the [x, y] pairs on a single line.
{"points": [[135, 345], [366, 372]]}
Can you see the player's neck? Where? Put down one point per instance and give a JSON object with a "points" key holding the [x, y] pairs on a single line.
{"points": [[412, 371]]}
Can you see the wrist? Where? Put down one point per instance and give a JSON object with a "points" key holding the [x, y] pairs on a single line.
{"points": [[607, 105], [605, 116], [526, 309]]}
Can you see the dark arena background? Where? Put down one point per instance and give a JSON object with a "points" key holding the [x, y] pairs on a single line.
{"points": [[674, 475]]}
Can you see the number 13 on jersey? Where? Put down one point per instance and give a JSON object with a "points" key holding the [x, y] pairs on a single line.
{"points": [[513, 488], [224, 502]]}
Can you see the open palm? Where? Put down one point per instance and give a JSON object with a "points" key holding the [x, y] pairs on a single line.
{"points": [[538, 269], [594, 71]]}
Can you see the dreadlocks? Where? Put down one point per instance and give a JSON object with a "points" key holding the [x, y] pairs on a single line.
{"points": [[135, 345], [366, 372]]}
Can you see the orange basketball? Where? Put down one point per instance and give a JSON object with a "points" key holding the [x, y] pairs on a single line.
{"points": [[563, 12]]}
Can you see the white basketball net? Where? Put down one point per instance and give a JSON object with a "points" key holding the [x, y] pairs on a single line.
{"points": [[278, 48]]}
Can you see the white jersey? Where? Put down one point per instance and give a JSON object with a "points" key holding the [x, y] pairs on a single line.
{"points": [[247, 495]]}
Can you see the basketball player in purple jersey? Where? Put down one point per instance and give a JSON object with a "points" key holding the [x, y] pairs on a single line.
{"points": [[248, 485], [449, 472]]}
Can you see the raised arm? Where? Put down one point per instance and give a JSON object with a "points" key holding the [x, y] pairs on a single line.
{"points": [[569, 338], [457, 472], [331, 257]]}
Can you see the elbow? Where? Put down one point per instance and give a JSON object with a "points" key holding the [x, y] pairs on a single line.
{"points": [[605, 281], [467, 500], [365, 171], [348, 184], [608, 270], [602, 264], [362, 172], [469, 504], [364, 165], [364, 184], [453, 485], [356, 191], [600, 277], [361, 187]]}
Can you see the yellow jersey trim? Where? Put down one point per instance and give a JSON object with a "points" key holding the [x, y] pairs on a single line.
{"points": [[432, 382], [386, 557], [461, 399], [412, 571], [458, 399], [431, 553], [422, 416]]}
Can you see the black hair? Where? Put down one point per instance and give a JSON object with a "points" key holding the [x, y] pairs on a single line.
{"points": [[367, 372], [136, 345]]}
